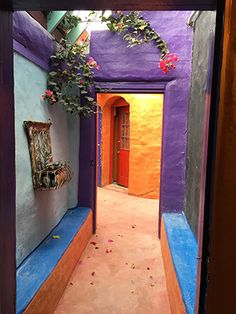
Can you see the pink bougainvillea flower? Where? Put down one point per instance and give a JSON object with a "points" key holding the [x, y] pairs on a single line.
{"points": [[120, 26], [167, 62], [48, 93], [92, 63], [110, 241], [81, 81]]}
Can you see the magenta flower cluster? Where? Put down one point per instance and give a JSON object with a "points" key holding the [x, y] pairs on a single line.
{"points": [[168, 62]]}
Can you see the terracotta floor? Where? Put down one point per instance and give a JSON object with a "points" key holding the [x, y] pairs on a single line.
{"points": [[129, 279]]}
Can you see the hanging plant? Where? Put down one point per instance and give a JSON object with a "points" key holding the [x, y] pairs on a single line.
{"points": [[136, 31], [70, 80], [70, 21]]}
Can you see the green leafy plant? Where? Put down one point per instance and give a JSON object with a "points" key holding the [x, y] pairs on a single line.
{"points": [[70, 80], [136, 31], [70, 21]]}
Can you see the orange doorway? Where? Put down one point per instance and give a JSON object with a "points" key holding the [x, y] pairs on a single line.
{"points": [[131, 141]]}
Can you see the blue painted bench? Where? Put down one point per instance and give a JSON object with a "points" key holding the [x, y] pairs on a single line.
{"points": [[38, 266], [183, 249]]}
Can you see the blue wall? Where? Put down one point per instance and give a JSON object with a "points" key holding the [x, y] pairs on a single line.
{"points": [[39, 211]]}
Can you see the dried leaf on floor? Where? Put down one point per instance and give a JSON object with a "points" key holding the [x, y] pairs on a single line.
{"points": [[132, 266], [96, 247], [55, 236], [93, 242], [93, 273]]}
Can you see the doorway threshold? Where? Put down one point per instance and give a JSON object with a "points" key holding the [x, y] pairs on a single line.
{"points": [[117, 188]]}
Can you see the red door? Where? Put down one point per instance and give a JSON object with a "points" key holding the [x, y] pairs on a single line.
{"points": [[123, 146]]}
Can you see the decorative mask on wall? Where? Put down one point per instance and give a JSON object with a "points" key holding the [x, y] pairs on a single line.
{"points": [[47, 174]]}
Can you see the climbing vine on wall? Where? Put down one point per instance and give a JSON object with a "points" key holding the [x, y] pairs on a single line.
{"points": [[70, 80], [136, 31]]}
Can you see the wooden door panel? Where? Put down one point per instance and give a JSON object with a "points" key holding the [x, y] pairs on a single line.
{"points": [[123, 146]]}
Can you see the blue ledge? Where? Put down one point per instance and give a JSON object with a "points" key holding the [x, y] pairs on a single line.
{"points": [[37, 267], [183, 249]]}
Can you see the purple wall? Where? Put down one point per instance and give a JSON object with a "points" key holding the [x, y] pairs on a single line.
{"points": [[140, 64], [31, 40]]}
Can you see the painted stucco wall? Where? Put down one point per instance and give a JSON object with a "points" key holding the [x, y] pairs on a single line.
{"points": [[145, 141], [145, 144], [203, 41], [37, 212], [120, 65]]}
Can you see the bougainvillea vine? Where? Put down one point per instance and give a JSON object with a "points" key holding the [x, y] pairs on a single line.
{"points": [[70, 80]]}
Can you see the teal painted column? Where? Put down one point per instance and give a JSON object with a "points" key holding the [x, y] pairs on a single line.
{"points": [[54, 19]]}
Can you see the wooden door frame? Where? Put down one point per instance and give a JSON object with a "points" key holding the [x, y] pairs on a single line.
{"points": [[7, 129], [112, 111], [119, 132]]}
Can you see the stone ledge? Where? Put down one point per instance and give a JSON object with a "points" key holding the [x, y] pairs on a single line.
{"points": [[43, 275], [179, 250]]}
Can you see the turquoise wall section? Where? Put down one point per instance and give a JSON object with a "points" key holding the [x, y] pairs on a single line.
{"points": [[39, 211]]}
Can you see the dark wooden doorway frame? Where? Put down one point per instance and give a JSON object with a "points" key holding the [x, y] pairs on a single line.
{"points": [[7, 131]]}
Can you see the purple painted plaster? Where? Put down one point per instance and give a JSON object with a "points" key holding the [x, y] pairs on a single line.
{"points": [[140, 64], [31, 40]]}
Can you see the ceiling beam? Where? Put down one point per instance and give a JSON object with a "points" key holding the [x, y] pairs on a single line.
{"points": [[46, 5]]}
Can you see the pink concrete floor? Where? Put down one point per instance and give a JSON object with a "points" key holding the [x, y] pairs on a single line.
{"points": [[125, 276]]}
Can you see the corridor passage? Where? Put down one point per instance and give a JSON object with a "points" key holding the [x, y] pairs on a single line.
{"points": [[121, 270]]}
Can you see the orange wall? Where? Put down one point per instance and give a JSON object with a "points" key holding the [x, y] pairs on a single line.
{"points": [[145, 141]]}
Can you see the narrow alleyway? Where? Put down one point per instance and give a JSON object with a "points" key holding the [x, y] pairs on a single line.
{"points": [[121, 271]]}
